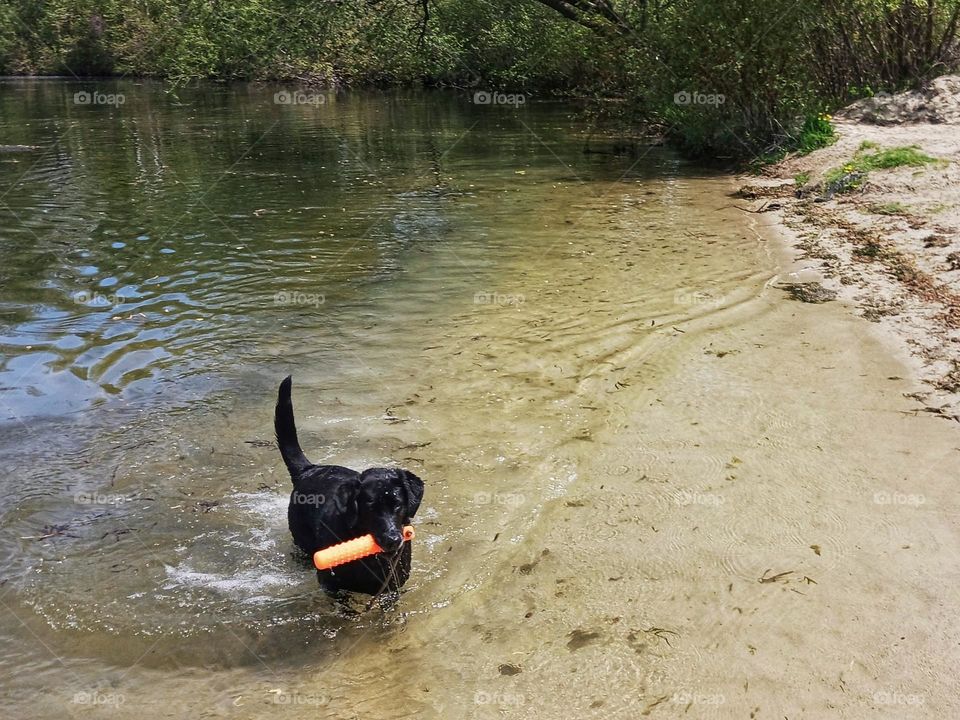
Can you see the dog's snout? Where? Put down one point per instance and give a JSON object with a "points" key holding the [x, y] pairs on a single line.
{"points": [[391, 542]]}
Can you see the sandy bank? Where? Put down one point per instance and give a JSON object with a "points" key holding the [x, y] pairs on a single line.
{"points": [[886, 240]]}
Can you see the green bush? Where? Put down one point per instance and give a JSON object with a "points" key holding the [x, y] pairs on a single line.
{"points": [[816, 132], [776, 64]]}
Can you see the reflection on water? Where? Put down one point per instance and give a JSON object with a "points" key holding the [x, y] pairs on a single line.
{"points": [[157, 239], [456, 288]]}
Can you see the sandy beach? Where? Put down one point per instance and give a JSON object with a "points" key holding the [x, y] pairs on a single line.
{"points": [[890, 244]]}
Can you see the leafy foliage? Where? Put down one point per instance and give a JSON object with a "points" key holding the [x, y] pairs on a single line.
{"points": [[765, 70]]}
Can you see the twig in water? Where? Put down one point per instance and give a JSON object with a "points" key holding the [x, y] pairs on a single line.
{"points": [[773, 578], [390, 576]]}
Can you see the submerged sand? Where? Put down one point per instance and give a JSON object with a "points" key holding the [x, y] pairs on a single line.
{"points": [[764, 528], [760, 524]]}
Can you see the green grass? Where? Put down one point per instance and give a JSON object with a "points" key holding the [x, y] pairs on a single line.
{"points": [[871, 250], [801, 179], [863, 162], [890, 208], [897, 157], [815, 133]]}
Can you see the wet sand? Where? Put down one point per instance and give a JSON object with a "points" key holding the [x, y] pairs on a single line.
{"points": [[763, 526]]}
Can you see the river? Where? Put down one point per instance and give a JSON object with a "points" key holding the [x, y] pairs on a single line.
{"points": [[655, 485]]}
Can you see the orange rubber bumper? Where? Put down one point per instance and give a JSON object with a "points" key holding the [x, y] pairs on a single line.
{"points": [[351, 550]]}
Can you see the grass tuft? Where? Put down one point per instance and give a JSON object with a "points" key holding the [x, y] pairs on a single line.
{"points": [[890, 208], [863, 162]]}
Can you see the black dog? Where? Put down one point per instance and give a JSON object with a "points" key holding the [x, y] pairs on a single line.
{"points": [[330, 504]]}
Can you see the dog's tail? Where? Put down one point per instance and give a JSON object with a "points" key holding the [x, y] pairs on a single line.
{"points": [[286, 430]]}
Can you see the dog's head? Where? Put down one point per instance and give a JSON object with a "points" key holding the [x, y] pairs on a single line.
{"points": [[386, 500]]}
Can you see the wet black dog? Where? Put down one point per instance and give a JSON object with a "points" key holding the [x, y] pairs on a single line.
{"points": [[330, 504]]}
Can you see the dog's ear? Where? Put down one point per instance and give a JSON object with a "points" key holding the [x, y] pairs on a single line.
{"points": [[414, 488], [344, 497]]}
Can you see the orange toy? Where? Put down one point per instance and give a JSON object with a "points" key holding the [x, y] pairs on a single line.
{"points": [[351, 550]]}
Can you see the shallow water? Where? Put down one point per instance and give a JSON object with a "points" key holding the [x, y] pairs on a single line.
{"points": [[579, 353]]}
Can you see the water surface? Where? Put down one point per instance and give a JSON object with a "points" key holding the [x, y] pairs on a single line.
{"points": [[458, 289]]}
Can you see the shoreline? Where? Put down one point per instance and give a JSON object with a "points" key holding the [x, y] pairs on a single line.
{"points": [[737, 547], [886, 245]]}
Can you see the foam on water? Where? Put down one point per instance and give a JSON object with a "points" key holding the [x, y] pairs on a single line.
{"points": [[245, 586]]}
